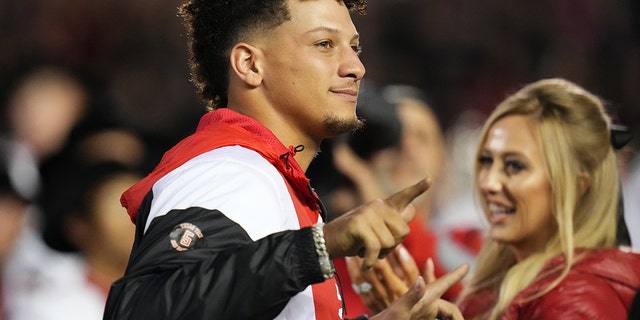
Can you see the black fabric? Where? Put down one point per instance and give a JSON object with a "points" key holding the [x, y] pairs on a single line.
{"points": [[634, 311], [623, 238], [224, 275], [620, 136]]}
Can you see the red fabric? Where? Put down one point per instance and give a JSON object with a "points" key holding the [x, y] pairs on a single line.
{"points": [[99, 282], [422, 244], [236, 129], [325, 294], [470, 239], [224, 127], [600, 286]]}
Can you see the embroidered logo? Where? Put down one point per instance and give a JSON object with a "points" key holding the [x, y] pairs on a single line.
{"points": [[185, 236]]}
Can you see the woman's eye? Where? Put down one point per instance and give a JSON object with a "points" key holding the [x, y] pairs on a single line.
{"points": [[512, 167], [485, 161]]}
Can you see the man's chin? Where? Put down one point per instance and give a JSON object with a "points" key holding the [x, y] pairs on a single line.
{"points": [[336, 127]]}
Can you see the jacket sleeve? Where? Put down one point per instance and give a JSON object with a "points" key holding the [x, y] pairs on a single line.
{"points": [[219, 273]]}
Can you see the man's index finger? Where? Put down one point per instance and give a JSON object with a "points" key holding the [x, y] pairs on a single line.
{"points": [[402, 198]]}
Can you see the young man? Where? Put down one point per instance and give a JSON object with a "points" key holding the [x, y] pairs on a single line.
{"points": [[228, 226]]}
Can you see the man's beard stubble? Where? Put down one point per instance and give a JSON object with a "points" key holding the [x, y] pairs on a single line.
{"points": [[336, 126]]}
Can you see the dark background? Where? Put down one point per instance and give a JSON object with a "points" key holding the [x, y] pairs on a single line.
{"points": [[464, 54]]}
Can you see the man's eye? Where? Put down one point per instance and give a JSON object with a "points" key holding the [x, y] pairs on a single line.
{"points": [[324, 44], [357, 49]]}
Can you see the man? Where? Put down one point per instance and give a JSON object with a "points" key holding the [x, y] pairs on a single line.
{"points": [[228, 226]]}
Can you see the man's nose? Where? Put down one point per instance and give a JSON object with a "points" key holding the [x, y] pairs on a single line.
{"points": [[352, 66]]}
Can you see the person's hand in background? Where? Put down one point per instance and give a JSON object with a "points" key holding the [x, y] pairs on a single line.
{"points": [[386, 281], [423, 302]]}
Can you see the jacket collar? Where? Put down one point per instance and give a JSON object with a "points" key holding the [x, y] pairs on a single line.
{"points": [[225, 127]]}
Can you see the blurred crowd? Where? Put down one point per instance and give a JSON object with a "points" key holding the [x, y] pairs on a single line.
{"points": [[465, 55], [92, 93]]}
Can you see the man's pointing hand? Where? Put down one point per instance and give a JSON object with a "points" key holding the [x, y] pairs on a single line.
{"points": [[372, 230]]}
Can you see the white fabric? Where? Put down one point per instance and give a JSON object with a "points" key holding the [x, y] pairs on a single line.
{"points": [[43, 284], [238, 182], [246, 188]]}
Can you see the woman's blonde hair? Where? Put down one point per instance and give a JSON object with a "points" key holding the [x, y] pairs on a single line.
{"points": [[573, 133]]}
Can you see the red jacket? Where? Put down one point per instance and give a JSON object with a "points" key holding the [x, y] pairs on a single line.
{"points": [[599, 286]]}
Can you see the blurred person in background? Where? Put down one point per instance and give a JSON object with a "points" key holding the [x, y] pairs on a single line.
{"points": [[402, 139], [547, 179], [87, 235], [459, 224], [63, 123], [424, 150], [43, 105], [16, 195]]}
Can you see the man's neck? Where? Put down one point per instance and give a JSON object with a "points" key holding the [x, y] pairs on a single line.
{"points": [[305, 157], [286, 134]]}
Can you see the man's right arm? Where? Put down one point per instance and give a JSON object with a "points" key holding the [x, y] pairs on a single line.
{"points": [[224, 275], [215, 244]]}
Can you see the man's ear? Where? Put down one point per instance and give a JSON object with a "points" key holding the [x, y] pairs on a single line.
{"points": [[243, 63]]}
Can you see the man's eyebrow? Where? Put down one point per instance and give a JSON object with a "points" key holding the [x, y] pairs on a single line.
{"points": [[324, 29], [355, 37]]}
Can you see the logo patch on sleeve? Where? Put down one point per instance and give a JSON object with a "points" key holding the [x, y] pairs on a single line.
{"points": [[185, 236]]}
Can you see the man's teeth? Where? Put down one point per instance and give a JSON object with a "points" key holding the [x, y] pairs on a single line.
{"points": [[498, 209]]}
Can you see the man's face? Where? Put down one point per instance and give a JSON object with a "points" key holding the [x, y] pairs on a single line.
{"points": [[311, 68]]}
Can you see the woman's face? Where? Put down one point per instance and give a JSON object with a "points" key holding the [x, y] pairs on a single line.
{"points": [[514, 186]]}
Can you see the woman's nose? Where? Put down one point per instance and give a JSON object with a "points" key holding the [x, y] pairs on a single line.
{"points": [[490, 180]]}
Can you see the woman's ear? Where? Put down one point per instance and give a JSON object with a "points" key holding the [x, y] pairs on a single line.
{"points": [[584, 182], [243, 61]]}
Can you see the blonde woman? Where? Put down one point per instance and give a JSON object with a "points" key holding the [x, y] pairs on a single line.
{"points": [[547, 180]]}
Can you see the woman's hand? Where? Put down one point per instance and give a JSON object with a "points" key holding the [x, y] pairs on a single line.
{"points": [[423, 300], [386, 281]]}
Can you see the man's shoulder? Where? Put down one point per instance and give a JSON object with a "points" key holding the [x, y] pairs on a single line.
{"points": [[222, 166], [233, 155], [234, 180], [231, 160]]}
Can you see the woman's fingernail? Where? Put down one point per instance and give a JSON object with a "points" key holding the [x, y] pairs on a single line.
{"points": [[417, 284], [404, 254]]}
